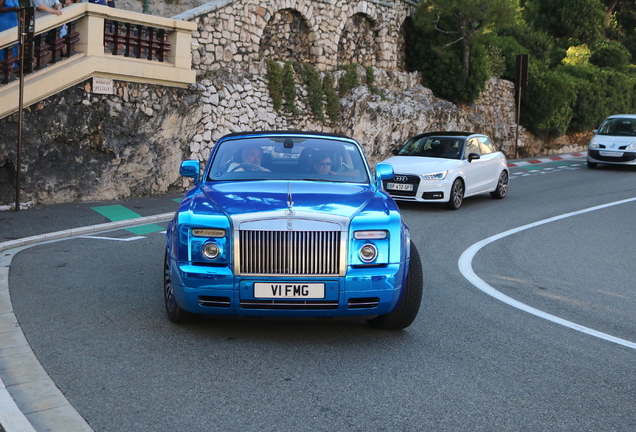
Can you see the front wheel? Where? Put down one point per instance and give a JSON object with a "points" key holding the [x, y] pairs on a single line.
{"points": [[175, 313], [456, 195], [408, 307], [502, 186]]}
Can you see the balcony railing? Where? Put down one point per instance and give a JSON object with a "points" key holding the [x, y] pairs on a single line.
{"points": [[94, 40]]}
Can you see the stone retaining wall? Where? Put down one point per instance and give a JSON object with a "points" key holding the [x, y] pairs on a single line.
{"points": [[79, 146], [325, 33]]}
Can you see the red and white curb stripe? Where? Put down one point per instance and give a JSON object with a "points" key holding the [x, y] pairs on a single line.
{"points": [[547, 159]]}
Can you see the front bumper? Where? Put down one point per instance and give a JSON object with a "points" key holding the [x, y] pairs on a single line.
{"points": [[425, 191], [617, 157], [364, 291]]}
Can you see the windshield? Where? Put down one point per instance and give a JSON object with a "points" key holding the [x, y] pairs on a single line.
{"points": [[288, 158], [436, 147], [619, 127]]}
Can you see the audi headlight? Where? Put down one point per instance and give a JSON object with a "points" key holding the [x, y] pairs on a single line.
{"points": [[210, 250], [436, 176], [368, 253], [593, 144]]}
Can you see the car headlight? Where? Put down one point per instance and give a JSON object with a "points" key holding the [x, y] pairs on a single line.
{"points": [[368, 253], [436, 176], [210, 250], [632, 146], [593, 144]]}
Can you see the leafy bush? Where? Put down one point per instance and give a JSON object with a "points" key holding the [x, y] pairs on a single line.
{"points": [[289, 88], [612, 55], [509, 49], [496, 61], [577, 55], [331, 98], [537, 44], [274, 77], [315, 94], [370, 75], [599, 93], [546, 103], [349, 80]]}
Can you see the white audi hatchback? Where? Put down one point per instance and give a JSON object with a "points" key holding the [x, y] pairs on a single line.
{"points": [[614, 142], [447, 167]]}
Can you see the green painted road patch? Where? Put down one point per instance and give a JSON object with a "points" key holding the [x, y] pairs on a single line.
{"points": [[116, 213]]}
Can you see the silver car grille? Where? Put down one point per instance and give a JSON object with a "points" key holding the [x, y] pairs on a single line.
{"points": [[291, 253]]}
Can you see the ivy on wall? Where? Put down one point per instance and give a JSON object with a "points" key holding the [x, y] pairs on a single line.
{"points": [[322, 96]]}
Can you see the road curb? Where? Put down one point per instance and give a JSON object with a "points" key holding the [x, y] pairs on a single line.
{"points": [[548, 159], [19, 363]]}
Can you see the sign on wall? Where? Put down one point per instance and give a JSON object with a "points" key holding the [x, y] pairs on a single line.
{"points": [[103, 86]]}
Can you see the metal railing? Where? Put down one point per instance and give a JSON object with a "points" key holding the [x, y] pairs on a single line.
{"points": [[98, 41]]}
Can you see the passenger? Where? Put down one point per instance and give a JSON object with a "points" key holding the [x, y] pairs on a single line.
{"points": [[251, 160], [321, 163]]}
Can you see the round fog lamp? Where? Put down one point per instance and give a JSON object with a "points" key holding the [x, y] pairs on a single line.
{"points": [[210, 251], [368, 253]]}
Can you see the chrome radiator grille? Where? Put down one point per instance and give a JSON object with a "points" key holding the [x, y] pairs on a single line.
{"points": [[289, 252]]}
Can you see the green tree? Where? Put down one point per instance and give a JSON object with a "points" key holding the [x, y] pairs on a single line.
{"points": [[460, 20], [546, 108], [580, 21]]}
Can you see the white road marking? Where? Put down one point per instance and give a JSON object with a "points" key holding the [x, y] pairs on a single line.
{"points": [[466, 268], [40, 394], [111, 238]]}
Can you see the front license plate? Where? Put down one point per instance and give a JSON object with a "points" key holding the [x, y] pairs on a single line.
{"points": [[400, 186], [289, 290], [611, 154]]}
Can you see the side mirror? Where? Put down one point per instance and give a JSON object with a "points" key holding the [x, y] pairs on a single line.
{"points": [[190, 168], [383, 171], [473, 156]]}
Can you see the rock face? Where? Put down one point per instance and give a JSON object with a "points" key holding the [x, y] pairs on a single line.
{"points": [[237, 99], [78, 146], [81, 146]]}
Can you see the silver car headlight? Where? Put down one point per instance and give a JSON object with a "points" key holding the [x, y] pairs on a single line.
{"points": [[593, 144], [368, 253], [632, 146], [436, 176], [210, 250]]}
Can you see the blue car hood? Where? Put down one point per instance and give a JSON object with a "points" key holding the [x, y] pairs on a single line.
{"points": [[234, 198]]}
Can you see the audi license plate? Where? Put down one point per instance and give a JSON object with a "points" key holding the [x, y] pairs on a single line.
{"points": [[400, 186], [610, 154], [289, 290]]}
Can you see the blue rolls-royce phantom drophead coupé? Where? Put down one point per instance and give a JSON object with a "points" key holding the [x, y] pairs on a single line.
{"points": [[290, 224]]}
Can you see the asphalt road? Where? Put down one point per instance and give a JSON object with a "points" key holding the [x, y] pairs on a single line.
{"points": [[92, 310]]}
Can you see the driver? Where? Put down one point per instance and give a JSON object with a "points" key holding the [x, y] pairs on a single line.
{"points": [[251, 157]]}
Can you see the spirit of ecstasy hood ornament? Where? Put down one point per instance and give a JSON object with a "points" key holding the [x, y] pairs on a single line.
{"points": [[290, 203]]}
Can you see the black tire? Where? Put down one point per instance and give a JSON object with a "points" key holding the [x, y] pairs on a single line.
{"points": [[456, 195], [408, 307], [591, 164], [502, 186], [175, 313]]}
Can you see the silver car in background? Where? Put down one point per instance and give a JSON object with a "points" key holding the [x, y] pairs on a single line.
{"points": [[614, 142]]}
